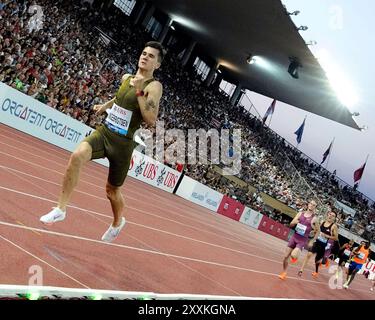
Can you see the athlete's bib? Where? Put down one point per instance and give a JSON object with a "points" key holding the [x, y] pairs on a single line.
{"points": [[118, 119], [328, 246], [322, 239], [301, 229], [347, 252], [361, 255]]}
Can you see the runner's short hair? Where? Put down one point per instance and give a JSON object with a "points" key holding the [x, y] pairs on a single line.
{"points": [[158, 46]]}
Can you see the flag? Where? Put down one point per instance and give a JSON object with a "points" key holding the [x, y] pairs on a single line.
{"points": [[358, 173], [104, 38], [270, 110], [299, 131], [325, 155]]}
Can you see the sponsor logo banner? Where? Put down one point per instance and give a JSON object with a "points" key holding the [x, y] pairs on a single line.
{"points": [[152, 172], [231, 208], [263, 226], [285, 233], [28, 115], [200, 194], [274, 228], [369, 266], [251, 217]]}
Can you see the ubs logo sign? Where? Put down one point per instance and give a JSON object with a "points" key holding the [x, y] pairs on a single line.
{"points": [[139, 169], [160, 179]]}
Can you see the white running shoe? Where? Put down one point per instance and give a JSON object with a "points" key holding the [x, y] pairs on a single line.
{"points": [[112, 232], [345, 286], [53, 216]]}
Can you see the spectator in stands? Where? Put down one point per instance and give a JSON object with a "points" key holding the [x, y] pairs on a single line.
{"points": [[349, 222]]}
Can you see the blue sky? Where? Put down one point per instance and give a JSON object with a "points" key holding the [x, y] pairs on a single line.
{"points": [[344, 30]]}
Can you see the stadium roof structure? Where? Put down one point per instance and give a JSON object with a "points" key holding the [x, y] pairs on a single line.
{"points": [[230, 30]]}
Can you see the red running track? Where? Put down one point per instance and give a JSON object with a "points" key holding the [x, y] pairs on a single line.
{"points": [[169, 245]]}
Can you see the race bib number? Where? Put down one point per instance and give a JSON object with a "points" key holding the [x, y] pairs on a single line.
{"points": [[321, 238], [347, 252], [301, 229], [119, 119], [328, 246], [361, 255]]}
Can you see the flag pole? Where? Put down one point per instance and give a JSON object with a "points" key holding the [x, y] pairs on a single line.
{"points": [[330, 151], [359, 182], [273, 110], [269, 123]]}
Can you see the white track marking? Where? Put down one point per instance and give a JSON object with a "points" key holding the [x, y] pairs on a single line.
{"points": [[227, 266], [148, 227], [218, 227], [154, 195], [41, 260]]}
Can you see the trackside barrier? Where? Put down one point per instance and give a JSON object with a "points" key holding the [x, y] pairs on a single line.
{"points": [[251, 217], [231, 208], [369, 266], [282, 231], [199, 194], [28, 115], [150, 171], [265, 224]]}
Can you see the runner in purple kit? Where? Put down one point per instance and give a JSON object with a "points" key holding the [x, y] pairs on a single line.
{"points": [[304, 223]]}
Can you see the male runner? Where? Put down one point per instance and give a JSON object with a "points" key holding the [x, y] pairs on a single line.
{"points": [[137, 100], [304, 223], [360, 256], [345, 253], [328, 231]]}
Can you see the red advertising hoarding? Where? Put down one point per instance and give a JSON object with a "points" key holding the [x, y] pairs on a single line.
{"points": [[231, 208]]}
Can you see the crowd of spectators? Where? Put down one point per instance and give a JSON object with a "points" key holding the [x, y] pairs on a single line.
{"points": [[62, 61]]}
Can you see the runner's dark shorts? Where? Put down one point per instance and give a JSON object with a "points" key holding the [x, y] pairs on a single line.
{"points": [[319, 248], [117, 148], [343, 258]]}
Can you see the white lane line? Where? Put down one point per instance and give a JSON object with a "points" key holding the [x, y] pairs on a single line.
{"points": [[227, 266], [190, 268], [45, 168], [35, 144], [148, 227], [209, 224], [217, 227], [162, 199], [43, 261], [61, 234]]}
